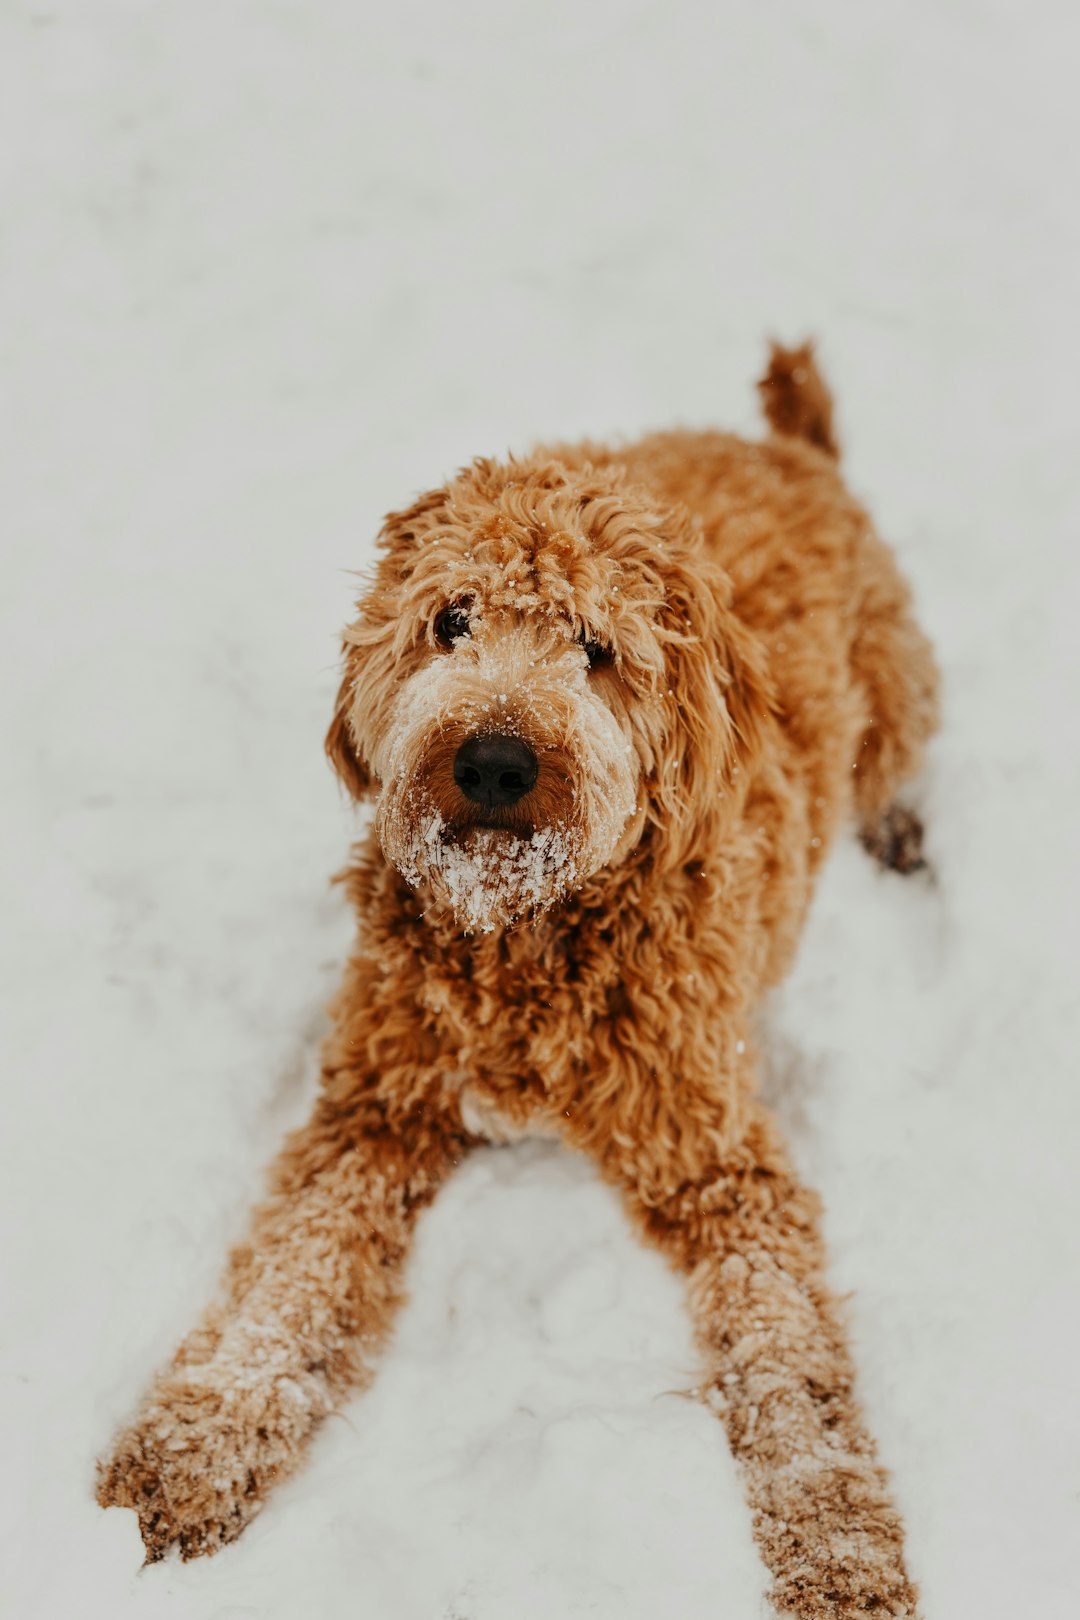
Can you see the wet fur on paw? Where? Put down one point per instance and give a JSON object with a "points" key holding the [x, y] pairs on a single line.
{"points": [[192, 1476]]}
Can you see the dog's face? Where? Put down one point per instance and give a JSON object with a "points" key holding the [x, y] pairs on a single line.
{"points": [[542, 668]]}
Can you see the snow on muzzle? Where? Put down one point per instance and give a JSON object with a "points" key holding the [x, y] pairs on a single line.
{"points": [[502, 800]]}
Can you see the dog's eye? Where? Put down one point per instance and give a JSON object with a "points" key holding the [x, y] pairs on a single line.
{"points": [[598, 655], [451, 625]]}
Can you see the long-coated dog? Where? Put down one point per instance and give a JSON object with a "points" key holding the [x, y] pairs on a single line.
{"points": [[612, 706]]}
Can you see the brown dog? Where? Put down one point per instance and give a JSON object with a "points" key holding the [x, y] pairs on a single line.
{"points": [[612, 706]]}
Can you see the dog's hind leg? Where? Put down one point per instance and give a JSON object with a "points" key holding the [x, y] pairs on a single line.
{"points": [[309, 1297], [892, 663], [780, 1377]]}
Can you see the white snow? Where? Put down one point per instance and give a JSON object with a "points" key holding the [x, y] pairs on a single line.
{"points": [[265, 271], [487, 875]]}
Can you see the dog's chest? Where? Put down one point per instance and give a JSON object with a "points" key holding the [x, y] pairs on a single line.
{"points": [[501, 1118]]}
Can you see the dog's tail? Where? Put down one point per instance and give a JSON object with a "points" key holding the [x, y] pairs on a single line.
{"points": [[796, 399]]}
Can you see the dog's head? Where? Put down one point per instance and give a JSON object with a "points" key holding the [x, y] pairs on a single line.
{"points": [[544, 674]]}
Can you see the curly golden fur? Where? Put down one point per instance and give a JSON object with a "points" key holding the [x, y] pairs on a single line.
{"points": [[710, 660]]}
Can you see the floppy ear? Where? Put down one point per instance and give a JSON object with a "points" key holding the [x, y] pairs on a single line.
{"points": [[718, 704], [340, 746], [368, 642]]}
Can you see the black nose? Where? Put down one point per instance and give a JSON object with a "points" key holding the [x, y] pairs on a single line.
{"points": [[494, 770]]}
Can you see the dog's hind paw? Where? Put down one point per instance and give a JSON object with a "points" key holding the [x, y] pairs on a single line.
{"points": [[896, 841]]}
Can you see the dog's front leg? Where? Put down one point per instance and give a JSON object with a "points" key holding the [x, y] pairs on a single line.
{"points": [[779, 1375], [308, 1298]]}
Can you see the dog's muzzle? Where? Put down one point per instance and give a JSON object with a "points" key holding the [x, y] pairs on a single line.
{"points": [[495, 770]]}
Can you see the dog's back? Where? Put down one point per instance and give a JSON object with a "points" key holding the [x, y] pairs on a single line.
{"points": [[811, 578]]}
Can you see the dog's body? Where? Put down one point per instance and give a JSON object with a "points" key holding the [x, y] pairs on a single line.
{"points": [[614, 706]]}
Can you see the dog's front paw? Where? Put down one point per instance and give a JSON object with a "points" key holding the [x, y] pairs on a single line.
{"points": [[189, 1473], [198, 1461], [838, 1552]]}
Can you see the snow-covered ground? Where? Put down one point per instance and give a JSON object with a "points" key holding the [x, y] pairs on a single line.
{"points": [[266, 268]]}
